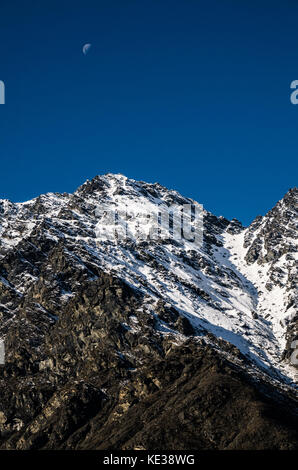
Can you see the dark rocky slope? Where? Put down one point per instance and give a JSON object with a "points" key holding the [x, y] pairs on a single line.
{"points": [[94, 382]]}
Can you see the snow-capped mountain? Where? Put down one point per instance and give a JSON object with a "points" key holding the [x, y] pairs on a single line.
{"points": [[240, 286], [235, 293]]}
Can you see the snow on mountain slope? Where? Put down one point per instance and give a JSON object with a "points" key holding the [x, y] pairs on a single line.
{"points": [[266, 254], [239, 285]]}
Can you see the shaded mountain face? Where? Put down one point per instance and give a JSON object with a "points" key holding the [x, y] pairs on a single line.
{"points": [[127, 343]]}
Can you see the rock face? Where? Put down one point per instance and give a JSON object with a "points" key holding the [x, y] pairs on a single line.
{"points": [[140, 343]]}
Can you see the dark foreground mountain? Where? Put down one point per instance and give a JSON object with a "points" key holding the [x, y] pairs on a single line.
{"points": [[145, 344]]}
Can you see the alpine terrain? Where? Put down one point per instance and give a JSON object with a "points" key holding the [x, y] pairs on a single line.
{"points": [[144, 342]]}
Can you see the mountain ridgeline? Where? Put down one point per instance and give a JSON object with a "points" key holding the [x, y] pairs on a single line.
{"points": [[143, 343]]}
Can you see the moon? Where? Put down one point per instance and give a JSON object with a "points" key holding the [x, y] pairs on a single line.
{"points": [[86, 48]]}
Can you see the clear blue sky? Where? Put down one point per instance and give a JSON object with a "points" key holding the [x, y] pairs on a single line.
{"points": [[193, 94]]}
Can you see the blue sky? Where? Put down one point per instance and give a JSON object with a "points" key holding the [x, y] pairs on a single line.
{"points": [[192, 94]]}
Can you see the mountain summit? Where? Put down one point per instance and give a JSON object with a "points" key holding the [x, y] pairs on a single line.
{"points": [[116, 337]]}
